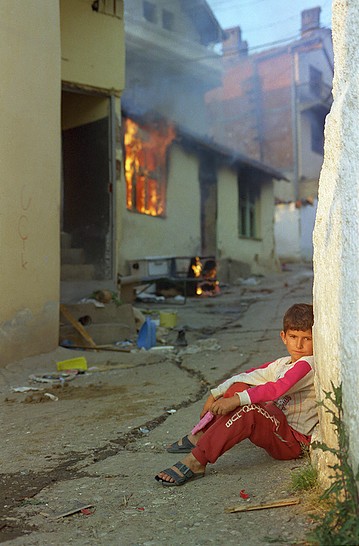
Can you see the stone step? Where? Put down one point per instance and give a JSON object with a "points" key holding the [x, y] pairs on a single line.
{"points": [[65, 240], [80, 272], [72, 256]]}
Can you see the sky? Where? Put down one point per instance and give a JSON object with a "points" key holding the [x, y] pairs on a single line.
{"points": [[266, 21]]}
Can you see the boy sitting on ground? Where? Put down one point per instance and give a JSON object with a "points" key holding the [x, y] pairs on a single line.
{"points": [[274, 406]]}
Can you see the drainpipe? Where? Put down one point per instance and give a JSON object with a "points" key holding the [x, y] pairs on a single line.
{"points": [[112, 184], [295, 124]]}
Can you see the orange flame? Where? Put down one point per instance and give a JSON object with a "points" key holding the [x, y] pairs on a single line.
{"points": [[197, 267], [145, 166]]}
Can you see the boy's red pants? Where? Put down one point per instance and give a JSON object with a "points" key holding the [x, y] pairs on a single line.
{"points": [[265, 425]]}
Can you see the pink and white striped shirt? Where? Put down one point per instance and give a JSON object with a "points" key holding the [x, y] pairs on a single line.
{"points": [[289, 384]]}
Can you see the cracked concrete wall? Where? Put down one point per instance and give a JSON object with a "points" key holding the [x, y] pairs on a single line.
{"points": [[336, 242], [30, 185]]}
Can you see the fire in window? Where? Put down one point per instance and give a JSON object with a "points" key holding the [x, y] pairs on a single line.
{"points": [[146, 166]]}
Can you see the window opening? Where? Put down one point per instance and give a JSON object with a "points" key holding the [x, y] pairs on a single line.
{"points": [[108, 7], [317, 122], [149, 12], [315, 81], [248, 209], [146, 166], [167, 19]]}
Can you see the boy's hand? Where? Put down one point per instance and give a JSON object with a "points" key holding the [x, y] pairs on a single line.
{"points": [[208, 405], [225, 405]]}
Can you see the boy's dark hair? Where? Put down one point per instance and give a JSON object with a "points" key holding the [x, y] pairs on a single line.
{"points": [[299, 317]]}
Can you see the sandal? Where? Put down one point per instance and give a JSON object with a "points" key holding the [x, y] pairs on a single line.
{"points": [[185, 447], [188, 475]]}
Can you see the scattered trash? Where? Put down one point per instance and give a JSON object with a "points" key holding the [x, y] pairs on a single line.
{"points": [[87, 511], [92, 300], [250, 281], [25, 389], [243, 494], [147, 334], [77, 325], [262, 505], [51, 396], [168, 319], [162, 348], [79, 363], [54, 378], [181, 340], [144, 430], [100, 348], [67, 343], [170, 411], [103, 296], [124, 343], [148, 298], [40, 397]]}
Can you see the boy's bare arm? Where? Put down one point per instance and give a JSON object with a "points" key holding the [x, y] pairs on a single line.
{"points": [[208, 405], [221, 406], [225, 405]]}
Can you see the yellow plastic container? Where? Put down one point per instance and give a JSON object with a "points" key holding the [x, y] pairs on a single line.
{"points": [[168, 319], [78, 363]]}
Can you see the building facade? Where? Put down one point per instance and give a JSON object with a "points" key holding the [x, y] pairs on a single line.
{"points": [[175, 181], [62, 76], [272, 106]]}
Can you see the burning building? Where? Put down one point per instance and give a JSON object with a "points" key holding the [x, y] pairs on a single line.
{"points": [[183, 194], [146, 150], [272, 106]]}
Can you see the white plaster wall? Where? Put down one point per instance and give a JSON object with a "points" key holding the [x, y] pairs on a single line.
{"points": [[336, 241], [178, 234], [287, 232], [307, 221], [258, 253]]}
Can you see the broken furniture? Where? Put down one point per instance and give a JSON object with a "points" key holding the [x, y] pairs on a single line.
{"points": [[87, 324], [183, 271]]}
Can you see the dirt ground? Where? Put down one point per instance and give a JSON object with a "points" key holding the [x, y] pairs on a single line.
{"points": [[78, 458]]}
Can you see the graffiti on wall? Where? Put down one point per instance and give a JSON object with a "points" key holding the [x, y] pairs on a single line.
{"points": [[23, 225]]}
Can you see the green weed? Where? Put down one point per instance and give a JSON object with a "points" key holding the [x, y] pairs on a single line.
{"points": [[305, 478], [340, 525]]}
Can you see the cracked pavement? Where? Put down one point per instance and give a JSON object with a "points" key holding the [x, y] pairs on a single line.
{"points": [[102, 442]]}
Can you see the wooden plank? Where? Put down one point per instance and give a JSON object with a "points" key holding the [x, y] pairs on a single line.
{"points": [[100, 348], [263, 505], [77, 325], [77, 507]]}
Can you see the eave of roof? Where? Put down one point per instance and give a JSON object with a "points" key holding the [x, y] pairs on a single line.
{"points": [[231, 157], [196, 141]]}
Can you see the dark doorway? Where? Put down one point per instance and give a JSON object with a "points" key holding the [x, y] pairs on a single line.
{"points": [[86, 250], [208, 189]]}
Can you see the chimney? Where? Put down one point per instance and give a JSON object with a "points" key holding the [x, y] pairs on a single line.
{"points": [[233, 46], [310, 21]]}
